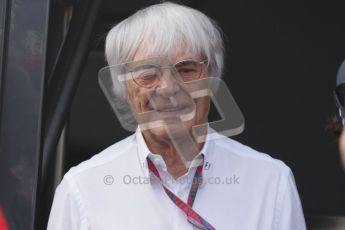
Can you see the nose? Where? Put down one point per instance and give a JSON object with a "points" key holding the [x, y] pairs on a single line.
{"points": [[168, 85]]}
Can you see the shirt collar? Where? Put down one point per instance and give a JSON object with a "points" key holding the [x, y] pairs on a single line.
{"points": [[144, 152]]}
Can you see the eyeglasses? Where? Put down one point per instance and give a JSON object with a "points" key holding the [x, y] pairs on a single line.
{"points": [[339, 96], [149, 75]]}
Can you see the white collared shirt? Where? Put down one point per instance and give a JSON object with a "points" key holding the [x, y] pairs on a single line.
{"points": [[242, 189]]}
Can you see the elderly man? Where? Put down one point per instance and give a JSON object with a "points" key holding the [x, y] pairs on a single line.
{"points": [[170, 174]]}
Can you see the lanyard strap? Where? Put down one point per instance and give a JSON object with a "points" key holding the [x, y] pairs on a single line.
{"points": [[192, 216]]}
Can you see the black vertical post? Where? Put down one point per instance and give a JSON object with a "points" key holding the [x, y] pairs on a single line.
{"points": [[63, 82]]}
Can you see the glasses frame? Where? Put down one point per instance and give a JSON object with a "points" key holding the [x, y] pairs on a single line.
{"points": [[171, 66], [338, 102]]}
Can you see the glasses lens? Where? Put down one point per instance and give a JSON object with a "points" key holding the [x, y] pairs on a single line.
{"points": [[189, 70], [340, 93], [146, 75]]}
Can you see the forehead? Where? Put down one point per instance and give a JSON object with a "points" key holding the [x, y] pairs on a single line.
{"points": [[174, 55]]}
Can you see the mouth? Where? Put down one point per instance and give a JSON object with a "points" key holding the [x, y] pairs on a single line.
{"points": [[182, 112], [170, 109]]}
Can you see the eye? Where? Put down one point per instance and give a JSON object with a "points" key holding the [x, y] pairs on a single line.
{"points": [[188, 69], [146, 75]]}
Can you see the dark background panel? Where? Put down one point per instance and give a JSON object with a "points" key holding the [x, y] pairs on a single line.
{"points": [[22, 70], [281, 62]]}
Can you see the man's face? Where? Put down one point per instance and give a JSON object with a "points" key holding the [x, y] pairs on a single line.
{"points": [[169, 99]]}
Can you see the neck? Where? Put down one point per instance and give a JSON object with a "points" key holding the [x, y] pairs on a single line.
{"points": [[176, 166]]}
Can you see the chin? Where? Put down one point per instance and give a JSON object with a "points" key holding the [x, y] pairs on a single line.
{"points": [[173, 130]]}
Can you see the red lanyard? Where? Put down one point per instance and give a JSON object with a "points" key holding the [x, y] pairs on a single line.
{"points": [[192, 216]]}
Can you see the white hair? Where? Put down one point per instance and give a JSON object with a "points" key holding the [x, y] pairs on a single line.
{"points": [[160, 28], [163, 26]]}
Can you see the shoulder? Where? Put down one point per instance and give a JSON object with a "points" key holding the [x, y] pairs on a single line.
{"points": [[244, 157], [84, 183]]}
